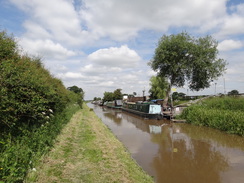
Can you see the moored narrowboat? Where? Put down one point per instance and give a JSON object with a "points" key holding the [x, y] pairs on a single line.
{"points": [[116, 104], [144, 109]]}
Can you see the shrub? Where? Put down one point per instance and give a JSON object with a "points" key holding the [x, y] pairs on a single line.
{"points": [[33, 110], [226, 114], [28, 91]]}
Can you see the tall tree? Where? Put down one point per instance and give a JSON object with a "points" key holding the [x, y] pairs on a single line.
{"points": [[108, 96], [187, 60], [79, 92], [75, 89], [117, 94], [233, 92], [158, 88]]}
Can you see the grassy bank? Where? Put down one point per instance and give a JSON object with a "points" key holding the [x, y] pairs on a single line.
{"points": [[19, 154], [87, 151], [223, 113]]}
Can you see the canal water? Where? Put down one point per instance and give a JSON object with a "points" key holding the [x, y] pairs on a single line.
{"points": [[174, 153]]}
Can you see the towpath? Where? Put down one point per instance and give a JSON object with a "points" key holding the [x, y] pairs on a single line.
{"points": [[87, 151]]}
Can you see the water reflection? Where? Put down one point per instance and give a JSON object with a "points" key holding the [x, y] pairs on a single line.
{"points": [[182, 158], [178, 152]]}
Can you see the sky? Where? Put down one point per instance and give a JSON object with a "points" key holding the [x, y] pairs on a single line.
{"points": [[104, 45]]}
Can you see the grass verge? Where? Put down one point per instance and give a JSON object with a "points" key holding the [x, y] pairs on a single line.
{"points": [[19, 154], [87, 151]]}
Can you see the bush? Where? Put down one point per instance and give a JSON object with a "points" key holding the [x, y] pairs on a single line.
{"points": [[33, 110], [226, 114], [28, 92]]}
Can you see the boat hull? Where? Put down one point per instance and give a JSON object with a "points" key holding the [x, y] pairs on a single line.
{"points": [[143, 114]]}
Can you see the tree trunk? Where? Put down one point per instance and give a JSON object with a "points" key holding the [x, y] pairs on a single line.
{"points": [[166, 99]]}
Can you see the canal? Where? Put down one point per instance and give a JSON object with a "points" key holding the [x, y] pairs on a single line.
{"points": [[173, 153]]}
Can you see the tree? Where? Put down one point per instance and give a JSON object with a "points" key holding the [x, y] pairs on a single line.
{"points": [[79, 92], [178, 96], [108, 96], [233, 92], [75, 89], [175, 96], [181, 95], [117, 95], [158, 88], [187, 60], [97, 98]]}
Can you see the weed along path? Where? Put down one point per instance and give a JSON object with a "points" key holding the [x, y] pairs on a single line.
{"points": [[87, 151]]}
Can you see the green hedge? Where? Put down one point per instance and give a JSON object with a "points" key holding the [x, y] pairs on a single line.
{"points": [[226, 114], [33, 109], [28, 92]]}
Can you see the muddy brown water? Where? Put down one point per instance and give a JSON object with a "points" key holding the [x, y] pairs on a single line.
{"points": [[174, 153]]}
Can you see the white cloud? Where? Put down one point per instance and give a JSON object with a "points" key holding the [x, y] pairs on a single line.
{"points": [[34, 29], [232, 24], [115, 57], [70, 75], [46, 48], [92, 70], [229, 44], [106, 83], [123, 19], [57, 19]]}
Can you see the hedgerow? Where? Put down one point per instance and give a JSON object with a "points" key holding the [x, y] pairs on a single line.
{"points": [[28, 91], [33, 107]]}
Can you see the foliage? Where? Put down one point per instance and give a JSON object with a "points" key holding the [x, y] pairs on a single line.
{"points": [[178, 96], [96, 98], [8, 47], [224, 113], [75, 89], [158, 88], [28, 91], [79, 94], [32, 109], [109, 96], [233, 92], [20, 154], [117, 95], [185, 59]]}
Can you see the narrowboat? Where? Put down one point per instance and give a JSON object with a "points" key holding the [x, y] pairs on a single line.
{"points": [[144, 109], [116, 104]]}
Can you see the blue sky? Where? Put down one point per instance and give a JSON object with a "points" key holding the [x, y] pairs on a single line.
{"points": [[102, 45]]}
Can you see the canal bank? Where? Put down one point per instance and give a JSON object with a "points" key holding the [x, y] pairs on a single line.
{"points": [[87, 151]]}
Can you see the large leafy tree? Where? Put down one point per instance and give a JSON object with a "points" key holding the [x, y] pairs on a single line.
{"points": [[79, 92], [187, 60], [159, 87], [233, 92], [117, 94], [108, 96], [75, 89]]}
